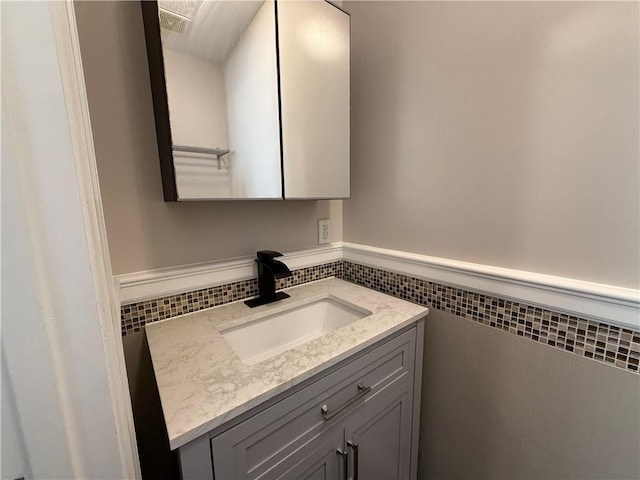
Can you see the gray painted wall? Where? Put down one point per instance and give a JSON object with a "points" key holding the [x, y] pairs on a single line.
{"points": [[143, 231], [495, 405], [505, 133], [500, 133]]}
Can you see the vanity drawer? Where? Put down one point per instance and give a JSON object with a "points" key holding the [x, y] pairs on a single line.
{"points": [[252, 448]]}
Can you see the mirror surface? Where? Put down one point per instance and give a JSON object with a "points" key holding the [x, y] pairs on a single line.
{"points": [[314, 60], [221, 78], [251, 98]]}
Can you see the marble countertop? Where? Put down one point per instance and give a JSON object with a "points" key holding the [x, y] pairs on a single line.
{"points": [[203, 383]]}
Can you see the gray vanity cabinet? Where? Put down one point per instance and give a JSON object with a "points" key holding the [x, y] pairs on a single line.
{"points": [[361, 417]]}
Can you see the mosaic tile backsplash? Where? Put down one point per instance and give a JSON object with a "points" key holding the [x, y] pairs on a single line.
{"points": [[135, 315], [587, 338]]}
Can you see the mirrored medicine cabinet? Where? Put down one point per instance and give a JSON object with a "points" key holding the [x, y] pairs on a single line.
{"points": [[251, 98]]}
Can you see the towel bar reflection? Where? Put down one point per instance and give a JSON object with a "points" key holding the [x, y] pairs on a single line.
{"points": [[218, 152]]}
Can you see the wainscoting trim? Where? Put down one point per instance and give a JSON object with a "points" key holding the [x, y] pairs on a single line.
{"points": [[613, 305], [607, 303], [150, 284]]}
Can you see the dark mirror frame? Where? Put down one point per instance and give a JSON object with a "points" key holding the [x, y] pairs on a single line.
{"points": [[159, 95]]}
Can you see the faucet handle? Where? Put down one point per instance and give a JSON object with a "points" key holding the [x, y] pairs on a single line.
{"points": [[266, 255]]}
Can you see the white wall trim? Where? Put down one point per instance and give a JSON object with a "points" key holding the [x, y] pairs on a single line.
{"points": [[145, 285], [61, 345], [611, 304], [608, 303], [81, 136]]}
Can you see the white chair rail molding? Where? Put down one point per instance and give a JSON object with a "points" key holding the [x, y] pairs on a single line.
{"points": [[606, 303]]}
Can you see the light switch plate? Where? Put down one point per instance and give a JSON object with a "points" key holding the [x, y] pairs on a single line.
{"points": [[324, 231]]}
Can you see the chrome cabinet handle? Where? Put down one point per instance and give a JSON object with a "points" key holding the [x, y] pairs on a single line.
{"points": [[345, 462], [354, 447], [362, 391]]}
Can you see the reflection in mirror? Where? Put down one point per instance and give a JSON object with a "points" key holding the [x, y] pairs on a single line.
{"points": [[314, 82], [221, 80]]}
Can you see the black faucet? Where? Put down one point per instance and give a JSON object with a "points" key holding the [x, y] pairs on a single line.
{"points": [[268, 270]]}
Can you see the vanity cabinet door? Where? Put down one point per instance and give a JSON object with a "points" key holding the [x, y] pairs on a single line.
{"points": [[317, 459], [380, 432], [322, 463]]}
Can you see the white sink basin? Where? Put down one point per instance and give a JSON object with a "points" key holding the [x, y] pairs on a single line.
{"points": [[272, 334]]}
